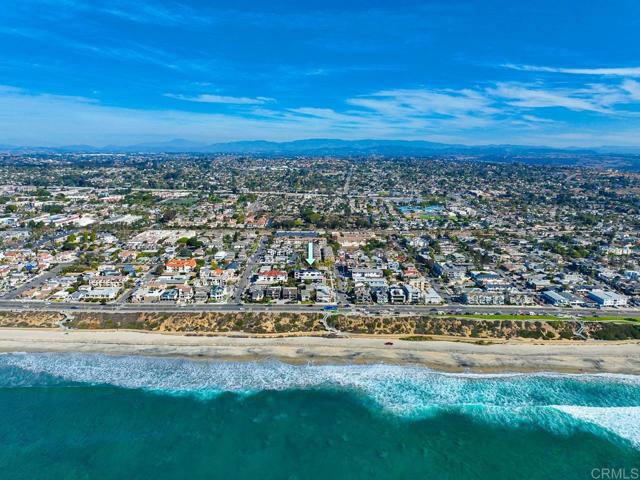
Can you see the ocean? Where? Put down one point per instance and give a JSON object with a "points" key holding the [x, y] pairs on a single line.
{"points": [[85, 416]]}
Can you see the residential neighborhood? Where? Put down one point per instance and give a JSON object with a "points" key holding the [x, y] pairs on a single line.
{"points": [[325, 231]]}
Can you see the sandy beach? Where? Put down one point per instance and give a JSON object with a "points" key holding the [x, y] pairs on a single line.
{"points": [[513, 356]]}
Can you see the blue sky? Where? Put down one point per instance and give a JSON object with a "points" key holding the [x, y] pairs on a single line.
{"points": [[559, 73]]}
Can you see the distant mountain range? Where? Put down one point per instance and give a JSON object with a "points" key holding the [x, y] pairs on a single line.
{"points": [[322, 146]]}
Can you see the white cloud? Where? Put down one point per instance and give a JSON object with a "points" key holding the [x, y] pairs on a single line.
{"points": [[428, 109], [42, 119], [590, 98], [490, 115], [208, 98], [536, 119], [424, 102], [632, 88], [139, 11], [143, 12], [131, 51], [35, 119], [620, 71]]}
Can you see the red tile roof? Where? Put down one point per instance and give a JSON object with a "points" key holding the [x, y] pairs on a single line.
{"points": [[181, 263]]}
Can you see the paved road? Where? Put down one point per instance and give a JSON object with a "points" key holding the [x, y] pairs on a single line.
{"points": [[35, 282], [248, 271], [347, 183], [124, 298], [341, 296], [22, 305]]}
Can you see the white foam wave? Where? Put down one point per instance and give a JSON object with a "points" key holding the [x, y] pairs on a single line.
{"points": [[395, 387], [622, 421], [611, 402]]}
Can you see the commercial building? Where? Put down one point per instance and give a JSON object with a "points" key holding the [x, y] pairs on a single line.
{"points": [[608, 299]]}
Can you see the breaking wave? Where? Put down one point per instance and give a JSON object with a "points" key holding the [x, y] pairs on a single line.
{"points": [[560, 402]]}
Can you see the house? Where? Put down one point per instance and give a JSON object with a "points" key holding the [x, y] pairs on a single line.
{"points": [[431, 297], [477, 296], [272, 276], [181, 265], [220, 255], [304, 291], [15, 234], [257, 293], [455, 273], [65, 257], [31, 267], [150, 295], [170, 295], [397, 294], [215, 277], [324, 294], [201, 295], [327, 253], [273, 293], [380, 294], [419, 282], [232, 267], [313, 275], [127, 255], [362, 294], [185, 292], [116, 281], [289, 293], [359, 274], [107, 270], [107, 293], [410, 271], [217, 294], [169, 280], [413, 295], [617, 250], [129, 269], [76, 296], [519, 297]]}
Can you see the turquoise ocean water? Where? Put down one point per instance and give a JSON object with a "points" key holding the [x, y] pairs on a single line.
{"points": [[78, 416]]}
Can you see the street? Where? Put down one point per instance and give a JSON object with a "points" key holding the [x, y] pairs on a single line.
{"points": [[457, 310], [248, 271]]}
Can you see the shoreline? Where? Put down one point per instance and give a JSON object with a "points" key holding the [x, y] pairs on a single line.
{"points": [[448, 355]]}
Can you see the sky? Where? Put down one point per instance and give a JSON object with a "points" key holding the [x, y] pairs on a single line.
{"points": [[121, 72]]}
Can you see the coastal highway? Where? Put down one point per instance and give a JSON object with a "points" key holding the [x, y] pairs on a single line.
{"points": [[458, 310]]}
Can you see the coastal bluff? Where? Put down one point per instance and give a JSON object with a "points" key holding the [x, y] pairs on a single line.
{"points": [[311, 323]]}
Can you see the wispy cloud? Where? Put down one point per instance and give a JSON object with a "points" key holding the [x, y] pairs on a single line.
{"points": [[154, 13], [132, 51], [426, 102], [615, 71], [590, 98], [632, 88], [208, 98], [503, 113], [140, 11], [56, 119], [535, 119]]}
